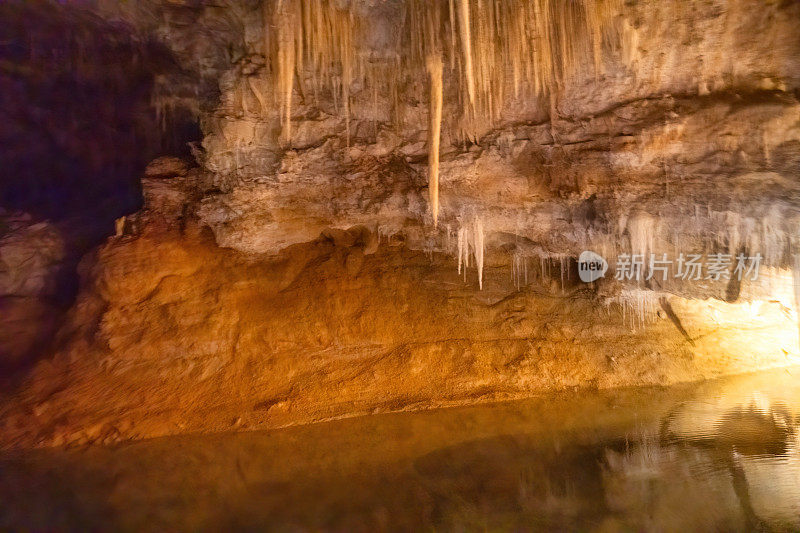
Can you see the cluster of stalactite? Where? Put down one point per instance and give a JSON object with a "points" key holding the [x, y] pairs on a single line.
{"points": [[320, 35], [497, 49], [482, 52]]}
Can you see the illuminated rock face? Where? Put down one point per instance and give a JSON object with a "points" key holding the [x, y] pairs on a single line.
{"points": [[173, 334], [241, 278]]}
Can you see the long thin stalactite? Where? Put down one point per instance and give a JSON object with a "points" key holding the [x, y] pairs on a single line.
{"points": [[435, 68]]}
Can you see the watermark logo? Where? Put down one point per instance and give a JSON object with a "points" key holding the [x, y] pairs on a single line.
{"points": [[637, 267], [716, 267], [591, 266]]}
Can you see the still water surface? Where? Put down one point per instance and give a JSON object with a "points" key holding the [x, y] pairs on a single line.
{"points": [[717, 456]]}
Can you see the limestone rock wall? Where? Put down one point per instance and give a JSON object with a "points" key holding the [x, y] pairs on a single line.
{"points": [[693, 119]]}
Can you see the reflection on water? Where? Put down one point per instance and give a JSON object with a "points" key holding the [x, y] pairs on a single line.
{"points": [[720, 456]]}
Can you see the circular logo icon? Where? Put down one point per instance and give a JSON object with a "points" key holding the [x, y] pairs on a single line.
{"points": [[591, 266]]}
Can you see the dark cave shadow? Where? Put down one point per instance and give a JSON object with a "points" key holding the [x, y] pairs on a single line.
{"points": [[77, 129]]}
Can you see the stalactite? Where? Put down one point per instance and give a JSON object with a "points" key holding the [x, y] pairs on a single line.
{"points": [[524, 48], [519, 270], [479, 249], [435, 72], [347, 70], [471, 237], [642, 229], [461, 246], [453, 38], [262, 101], [638, 306], [529, 45], [287, 43], [466, 48], [317, 33]]}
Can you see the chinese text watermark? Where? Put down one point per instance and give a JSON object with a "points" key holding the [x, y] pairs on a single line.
{"points": [[687, 267]]}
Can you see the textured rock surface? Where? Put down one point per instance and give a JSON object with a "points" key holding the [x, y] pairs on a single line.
{"points": [[32, 256], [221, 306], [174, 334], [692, 100], [696, 110]]}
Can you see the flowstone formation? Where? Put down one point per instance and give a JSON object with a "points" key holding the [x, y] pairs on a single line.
{"points": [[390, 198]]}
